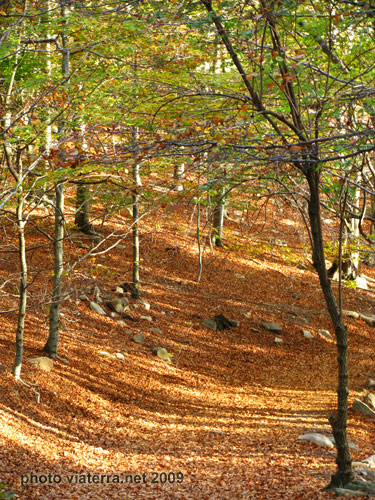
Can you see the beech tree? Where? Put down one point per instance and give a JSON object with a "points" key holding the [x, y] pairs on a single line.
{"points": [[294, 77]]}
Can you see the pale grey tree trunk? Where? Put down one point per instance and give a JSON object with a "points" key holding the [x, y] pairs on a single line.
{"points": [[58, 241], [218, 218], [135, 230], [17, 366]]}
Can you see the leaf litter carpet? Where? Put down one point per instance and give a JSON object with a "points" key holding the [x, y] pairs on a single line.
{"points": [[222, 420]]}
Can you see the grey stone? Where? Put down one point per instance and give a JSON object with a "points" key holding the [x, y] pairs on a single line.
{"points": [[317, 438], [139, 338], [42, 362], [120, 356], [105, 353], [145, 304], [114, 315], [325, 334], [147, 318], [98, 294], [162, 353], [209, 323], [362, 407], [367, 318], [156, 330], [369, 399], [240, 276], [121, 247], [278, 340], [303, 267], [307, 334], [272, 327], [96, 307], [351, 314], [361, 282], [118, 304], [129, 332], [370, 384], [370, 461], [121, 322]]}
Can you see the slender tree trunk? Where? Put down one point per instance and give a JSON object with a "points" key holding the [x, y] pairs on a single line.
{"points": [[82, 215], [218, 218], [178, 175], [58, 249], [338, 422], [135, 231], [16, 371]]}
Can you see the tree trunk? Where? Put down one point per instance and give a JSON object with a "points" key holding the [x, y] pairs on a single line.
{"points": [[178, 175], [136, 254], [218, 218], [58, 241], [16, 371], [82, 215], [54, 313], [338, 422]]}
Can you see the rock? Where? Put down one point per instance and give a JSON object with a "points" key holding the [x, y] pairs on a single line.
{"points": [[147, 318], [361, 282], [317, 438], [325, 334], [183, 283], [139, 338], [120, 356], [121, 247], [370, 384], [362, 407], [129, 332], [121, 322], [96, 308], [209, 323], [156, 330], [351, 445], [82, 297], [145, 304], [114, 315], [303, 267], [118, 304], [369, 399], [351, 314], [105, 353], [278, 340], [223, 323], [370, 461], [162, 353], [307, 334], [272, 327], [42, 362], [98, 294], [368, 318], [240, 276]]}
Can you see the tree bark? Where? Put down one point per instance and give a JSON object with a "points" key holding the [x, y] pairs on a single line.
{"points": [[58, 241], [54, 313], [82, 215], [338, 422], [17, 366], [135, 231], [218, 218]]}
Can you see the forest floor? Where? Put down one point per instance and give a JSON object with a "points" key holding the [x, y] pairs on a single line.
{"points": [[223, 419]]}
